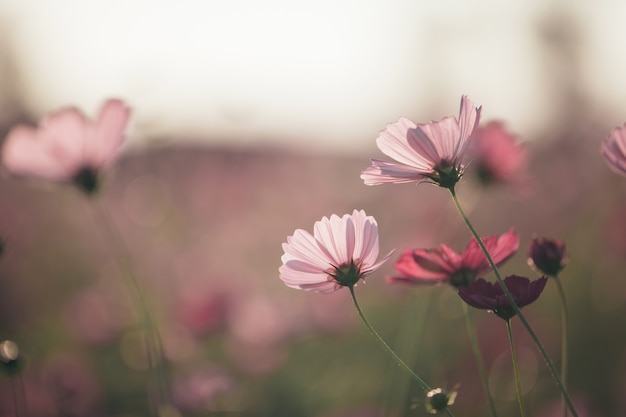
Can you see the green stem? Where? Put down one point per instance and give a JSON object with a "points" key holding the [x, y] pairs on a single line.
{"points": [[386, 348], [564, 326], [516, 308], [152, 339], [471, 330], [518, 382]]}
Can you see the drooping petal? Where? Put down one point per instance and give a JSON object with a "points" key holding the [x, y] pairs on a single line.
{"points": [[426, 265], [381, 172]]}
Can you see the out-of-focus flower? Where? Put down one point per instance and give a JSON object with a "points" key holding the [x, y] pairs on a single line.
{"points": [[489, 295], [613, 149], [442, 264], [341, 251], [67, 146], [200, 389], [548, 256], [431, 152], [438, 400], [496, 155]]}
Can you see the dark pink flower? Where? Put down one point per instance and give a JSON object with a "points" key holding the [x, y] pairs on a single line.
{"points": [[442, 264], [548, 256], [339, 253], [613, 149], [432, 151], [489, 295], [497, 156], [67, 146]]}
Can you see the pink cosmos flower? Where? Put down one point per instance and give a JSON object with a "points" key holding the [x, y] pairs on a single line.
{"points": [[497, 157], [489, 295], [67, 146], [432, 151], [442, 264], [341, 251]]}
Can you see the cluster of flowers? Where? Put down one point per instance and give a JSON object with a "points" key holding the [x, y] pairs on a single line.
{"points": [[68, 147], [343, 250]]}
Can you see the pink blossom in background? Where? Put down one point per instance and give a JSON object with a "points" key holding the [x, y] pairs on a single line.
{"points": [[443, 265], [486, 295], [67, 146], [497, 157], [340, 252], [613, 149], [432, 151]]}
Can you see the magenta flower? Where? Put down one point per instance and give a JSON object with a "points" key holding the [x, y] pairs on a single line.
{"points": [[67, 146], [489, 295], [548, 256], [613, 149], [339, 253], [431, 152], [431, 266], [496, 155]]}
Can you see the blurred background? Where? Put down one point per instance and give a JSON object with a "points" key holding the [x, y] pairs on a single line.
{"points": [[253, 119]]}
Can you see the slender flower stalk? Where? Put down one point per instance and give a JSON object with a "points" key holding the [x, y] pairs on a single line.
{"points": [[154, 349], [518, 382], [389, 350], [484, 377], [514, 305], [549, 256], [564, 350]]}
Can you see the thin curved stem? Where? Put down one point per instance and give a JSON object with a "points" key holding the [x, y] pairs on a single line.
{"points": [[386, 348], [471, 331], [516, 308], [564, 326], [154, 350], [518, 382]]}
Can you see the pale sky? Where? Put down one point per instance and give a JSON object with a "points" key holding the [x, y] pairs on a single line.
{"points": [[327, 74]]}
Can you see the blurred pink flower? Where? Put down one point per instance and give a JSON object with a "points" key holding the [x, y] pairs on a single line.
{"points": [[442, 264], [489, 295], [497, 157], [67, 146], [432, 151], [613, 149], [339, 253]]}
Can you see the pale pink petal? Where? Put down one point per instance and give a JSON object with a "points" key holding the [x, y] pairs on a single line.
{"points": [[381, 172], [401, 142], [366, 239], [22, 154], [109, 131], [302, 245], [376, 266], [469, 117], [332, 236], [64, 133], [444, 135], [613, 149]]}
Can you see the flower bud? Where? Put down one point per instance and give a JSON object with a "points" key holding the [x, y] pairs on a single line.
{"points": [[548, 256]]}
